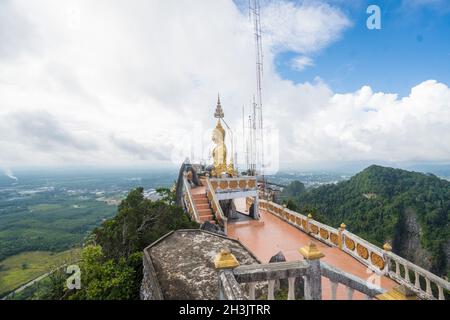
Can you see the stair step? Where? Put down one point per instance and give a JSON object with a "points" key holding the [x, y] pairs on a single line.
{"points": [[201, 201], [199, 198], [201, 206], [203, 212], [206, 218]]}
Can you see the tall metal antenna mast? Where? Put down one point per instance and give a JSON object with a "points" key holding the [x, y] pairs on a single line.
{"points": [[255, 13], [244, 148]]}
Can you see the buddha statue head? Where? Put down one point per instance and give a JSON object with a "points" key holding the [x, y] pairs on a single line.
{"points": [[218, 136]]}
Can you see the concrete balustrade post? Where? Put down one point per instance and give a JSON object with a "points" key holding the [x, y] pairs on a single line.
{"points": [[313, 283], [291, 290], [251, 289], [407, 278], [386, 255], [397, 269], [428, 286], [441, 293], [271, 290], [350, 293], [334, 286], [417, 282], [341, 235], [308, 218]]}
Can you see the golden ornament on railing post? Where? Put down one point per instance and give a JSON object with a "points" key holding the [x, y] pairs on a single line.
{"points": [[311, 252], [387, 247], [225, 260], [341, 230]]}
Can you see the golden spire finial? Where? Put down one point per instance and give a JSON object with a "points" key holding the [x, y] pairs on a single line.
{"points": [[219, 111]]}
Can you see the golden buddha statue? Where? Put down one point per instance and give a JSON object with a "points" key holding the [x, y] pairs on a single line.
{"points": [[219, 152]]}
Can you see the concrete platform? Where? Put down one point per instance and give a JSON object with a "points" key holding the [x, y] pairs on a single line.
{"points": [[270, 235]]}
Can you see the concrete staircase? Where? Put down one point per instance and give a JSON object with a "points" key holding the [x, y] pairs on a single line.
{"points": [[202, 205]]}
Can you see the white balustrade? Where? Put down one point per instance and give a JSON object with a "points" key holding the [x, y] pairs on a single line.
{"points": [[291, 290], [428, 286], [334, 286], [417, 282], [271, 290], [251, 290], [407, 274], [350, 293]]}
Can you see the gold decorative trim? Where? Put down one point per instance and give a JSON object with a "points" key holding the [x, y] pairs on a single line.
{"points": [[377, 260], [324, 234], [314, 229], [223, 184], [334, 238], [304, 224], [233, 184], [350, 244], [362, 251]]}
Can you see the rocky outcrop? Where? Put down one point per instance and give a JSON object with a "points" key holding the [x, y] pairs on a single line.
{"points": [[408, 242], [208, 226], [283, 283], [228, 208]]}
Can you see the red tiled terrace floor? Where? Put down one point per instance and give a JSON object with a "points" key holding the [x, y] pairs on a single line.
{"points": [[270, 235]]}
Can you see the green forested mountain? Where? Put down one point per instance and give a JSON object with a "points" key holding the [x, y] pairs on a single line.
{"points": [[381, 204], [111, 260]]}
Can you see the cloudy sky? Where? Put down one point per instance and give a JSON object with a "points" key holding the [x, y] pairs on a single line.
{"points": [[134, 83]]}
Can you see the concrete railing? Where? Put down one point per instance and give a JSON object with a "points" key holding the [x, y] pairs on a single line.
{"points": [[311, 271], [365, 252], [189, 201], [380, 261], [423, 290], [231, 280], [215, 205], [350, 282]]}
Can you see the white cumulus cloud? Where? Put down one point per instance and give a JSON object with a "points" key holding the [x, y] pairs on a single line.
{"points": [[114, 82]]}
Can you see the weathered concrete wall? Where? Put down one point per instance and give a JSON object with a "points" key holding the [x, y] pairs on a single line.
{"points": [[181, 265], [150, 289]]}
